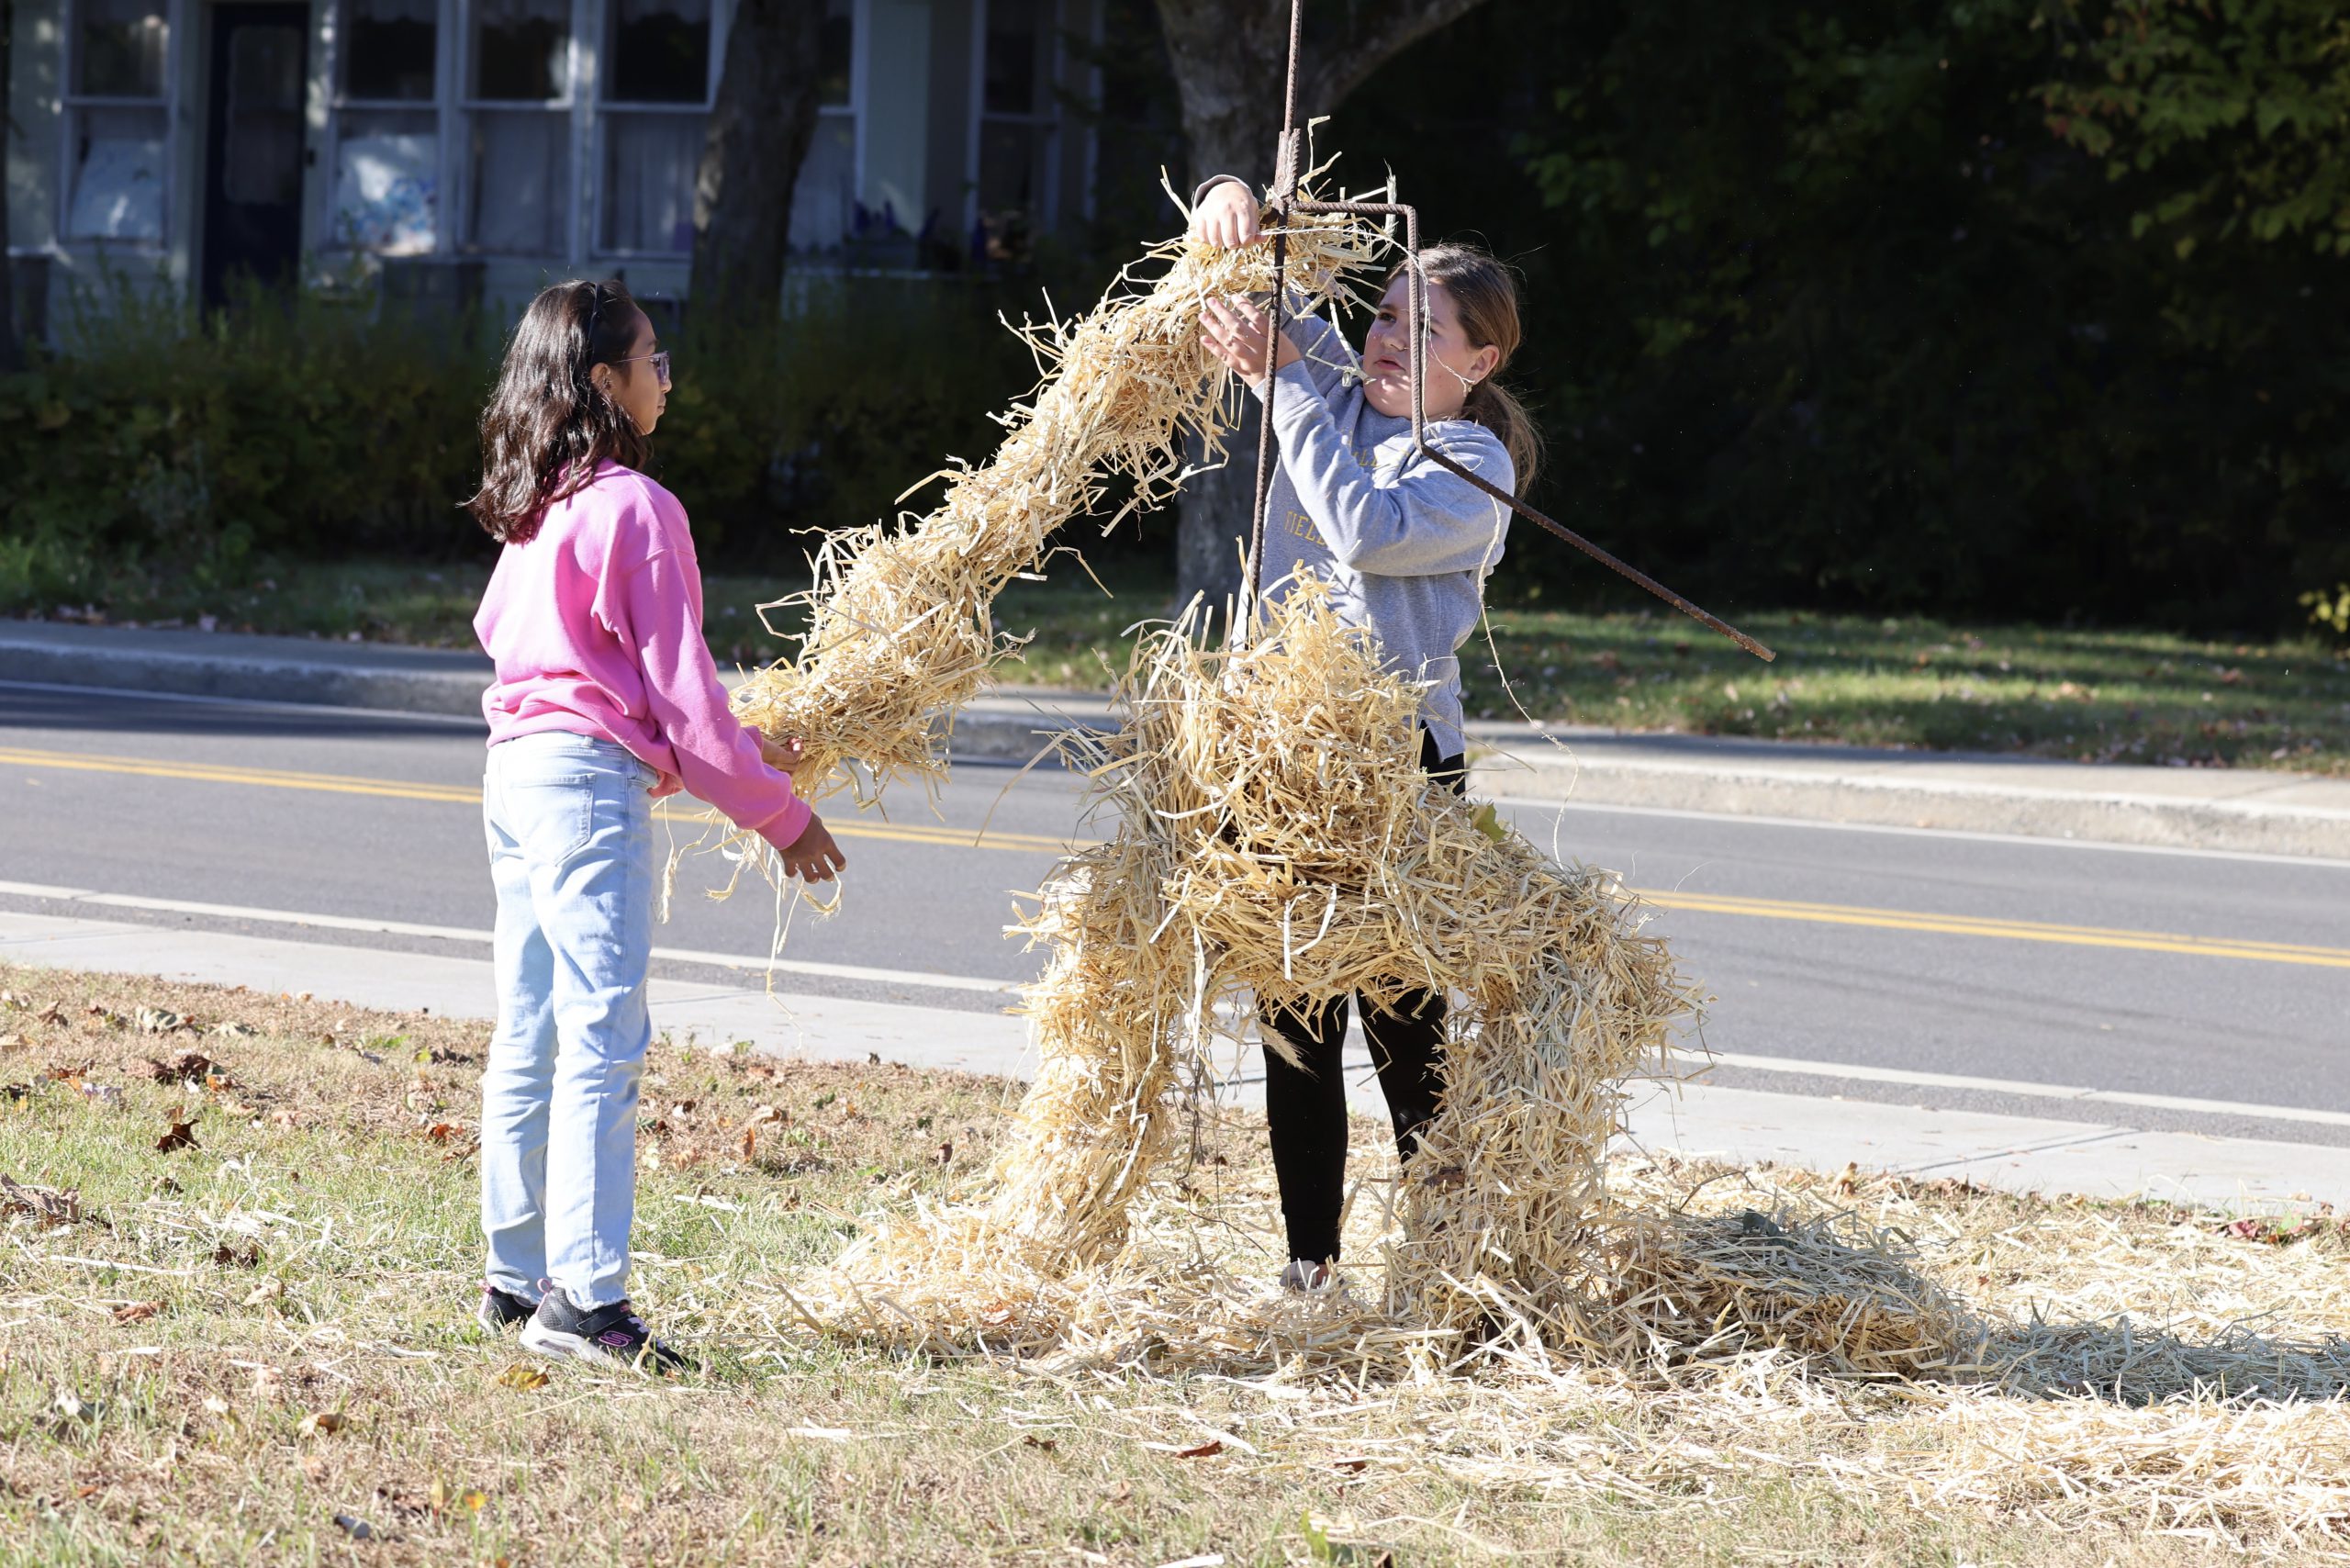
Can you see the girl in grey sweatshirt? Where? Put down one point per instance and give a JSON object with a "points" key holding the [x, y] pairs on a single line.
{"points": [[1407, 546]]}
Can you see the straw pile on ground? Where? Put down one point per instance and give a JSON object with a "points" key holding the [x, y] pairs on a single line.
{"points": [[901, 633]]}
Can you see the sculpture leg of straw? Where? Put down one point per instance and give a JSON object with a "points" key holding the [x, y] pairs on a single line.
{"points": [[1276, 839]]}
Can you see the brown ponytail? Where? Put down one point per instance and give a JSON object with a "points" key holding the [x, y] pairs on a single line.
{"points": [[1485, 295]]}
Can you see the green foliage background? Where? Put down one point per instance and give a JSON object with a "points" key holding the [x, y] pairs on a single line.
{"points": [[163, 448], [1995, 308], [1902, 304]]}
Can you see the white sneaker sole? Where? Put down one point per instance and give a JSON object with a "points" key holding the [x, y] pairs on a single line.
{"points": [[556, 1345]]}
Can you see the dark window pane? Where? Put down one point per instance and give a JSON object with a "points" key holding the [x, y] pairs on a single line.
{"points": [[660, 51], [839, 58], [388, 182], [387, 48], [1011, 166], [649, 181], [263, 163], [521, 177], [1016, 39], [118, 175], [521, 49], [121, 53]]}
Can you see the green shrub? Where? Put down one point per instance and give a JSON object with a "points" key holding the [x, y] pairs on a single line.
{"points": [[162, 447]]}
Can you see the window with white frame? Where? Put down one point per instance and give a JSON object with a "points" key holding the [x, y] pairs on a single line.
{"points": [[517, 102], [824, 197], [655, 98], [388, 127], [117, 120], [1019, 114]]}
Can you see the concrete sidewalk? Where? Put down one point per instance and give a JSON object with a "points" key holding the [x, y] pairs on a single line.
{"points": [[2247, 810], [1744, 1126]]}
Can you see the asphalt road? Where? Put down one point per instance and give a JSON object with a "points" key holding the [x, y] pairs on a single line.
{"points": [[2182, 977]]}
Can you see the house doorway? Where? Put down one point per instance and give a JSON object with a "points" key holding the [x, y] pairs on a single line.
{"points": [[253, 146]]}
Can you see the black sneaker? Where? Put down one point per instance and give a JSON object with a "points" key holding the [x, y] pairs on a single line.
{"points": [[500, 1310], [612, 1334]]}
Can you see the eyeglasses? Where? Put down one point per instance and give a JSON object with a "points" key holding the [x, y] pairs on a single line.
{"points": [[659, 361]]}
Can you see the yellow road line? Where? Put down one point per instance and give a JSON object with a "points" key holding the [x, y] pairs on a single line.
{"points": [[2009, 930], [451, 794], [1695, 903]]}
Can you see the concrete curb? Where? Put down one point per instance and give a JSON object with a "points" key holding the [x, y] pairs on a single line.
{"points": [[2111, 814], [2243, 811], [265, 669]]}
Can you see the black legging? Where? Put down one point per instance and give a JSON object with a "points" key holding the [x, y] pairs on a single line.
{"points": [[1306, 1106]]}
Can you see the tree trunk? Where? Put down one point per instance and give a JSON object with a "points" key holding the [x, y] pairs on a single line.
{"points": [[12, 352], [1230, 58], [759, 130]]}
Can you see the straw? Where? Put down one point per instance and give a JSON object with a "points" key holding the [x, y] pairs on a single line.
{"points": [[901, 632]]}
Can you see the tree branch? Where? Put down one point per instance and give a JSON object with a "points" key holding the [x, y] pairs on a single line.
{"points": [[1330, 74]]}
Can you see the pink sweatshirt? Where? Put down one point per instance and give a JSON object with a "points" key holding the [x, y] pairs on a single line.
{"points": [[595, 626]]}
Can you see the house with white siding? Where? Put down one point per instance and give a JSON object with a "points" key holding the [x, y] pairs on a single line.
{"points": [[467, 150]]}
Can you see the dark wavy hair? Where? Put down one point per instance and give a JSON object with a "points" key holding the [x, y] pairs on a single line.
{"points": [[548, 424], [1484, 292]]}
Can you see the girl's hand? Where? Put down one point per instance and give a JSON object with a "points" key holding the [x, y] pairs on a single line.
{"points": [[813, 856], [1234, 331], [1228, 216], [784, 757]]}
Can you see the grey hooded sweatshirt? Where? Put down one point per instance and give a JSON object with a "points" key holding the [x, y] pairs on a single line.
{"points": [[1405, 545]]}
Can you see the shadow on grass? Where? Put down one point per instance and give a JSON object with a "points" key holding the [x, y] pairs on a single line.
{"points": [[1854, 1303]]}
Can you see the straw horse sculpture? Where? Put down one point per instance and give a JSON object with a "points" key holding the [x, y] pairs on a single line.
{"points": [[1275, 836]]}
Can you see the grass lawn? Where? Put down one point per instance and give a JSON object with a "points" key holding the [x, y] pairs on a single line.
{"points": [[237, 1265], [2092, 696]]}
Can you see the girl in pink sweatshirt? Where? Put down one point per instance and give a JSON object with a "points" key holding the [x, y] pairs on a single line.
{"points": [[605, 699]]}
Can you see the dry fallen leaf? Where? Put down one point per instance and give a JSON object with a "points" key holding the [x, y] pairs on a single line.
{"points": [[218, 1405], [439, 1132], [48, 1204], [523, 1376], [138, 1311], [158, 1020], [1847, 1180], [269, 1290], [182, 1136], [314, 1467], [1208, 1450], [322, 1423]]}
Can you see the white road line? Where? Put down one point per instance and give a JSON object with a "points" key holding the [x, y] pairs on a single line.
{"points": [[1792, 1065], [2031, 1091], [464, 934]]}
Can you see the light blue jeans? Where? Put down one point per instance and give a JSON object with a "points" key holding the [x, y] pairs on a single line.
{"points": [[570, 829]]}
